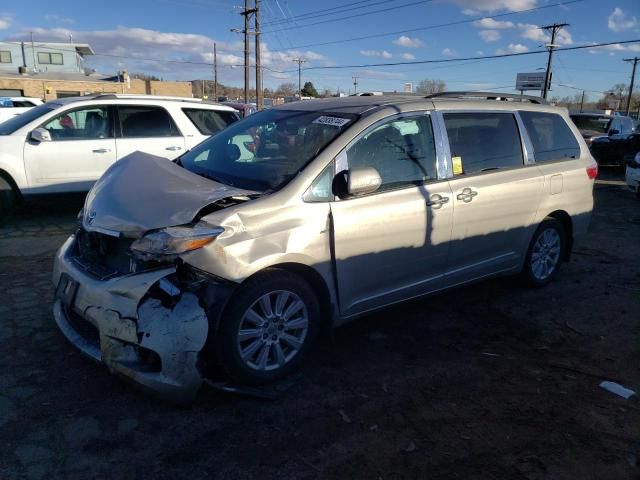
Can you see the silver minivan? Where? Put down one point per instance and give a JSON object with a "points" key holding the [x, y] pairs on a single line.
{"points": [[223, 264]]}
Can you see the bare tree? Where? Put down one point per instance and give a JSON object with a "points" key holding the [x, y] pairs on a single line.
{"points": [[428, 86], [287, 89]]}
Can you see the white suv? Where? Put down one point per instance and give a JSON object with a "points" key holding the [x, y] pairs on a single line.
{"points": [[12, 106], [65, 145]]}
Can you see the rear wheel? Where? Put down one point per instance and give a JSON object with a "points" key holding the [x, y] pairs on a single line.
{"points": [[545, 253], [268, 327], [8, 199]]}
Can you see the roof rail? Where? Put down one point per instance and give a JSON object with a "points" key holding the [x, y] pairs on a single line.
{"points": [[107, 96], [490, 96]]}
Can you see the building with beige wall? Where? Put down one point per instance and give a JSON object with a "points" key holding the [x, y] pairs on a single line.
{"points": [[52, 86]]}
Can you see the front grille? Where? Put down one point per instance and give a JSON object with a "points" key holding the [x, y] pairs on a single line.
{"points": [[102, 256]]}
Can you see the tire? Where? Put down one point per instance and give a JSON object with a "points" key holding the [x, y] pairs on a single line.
{"points": [[544, 254], [8, 199], [270, 309]]}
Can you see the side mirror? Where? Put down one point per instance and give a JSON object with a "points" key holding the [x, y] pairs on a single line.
{"points": [[613, 131], [363, 180], [41, 135]]}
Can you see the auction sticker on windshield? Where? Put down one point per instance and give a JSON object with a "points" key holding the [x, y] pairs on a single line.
{"points": [[333, 121]]}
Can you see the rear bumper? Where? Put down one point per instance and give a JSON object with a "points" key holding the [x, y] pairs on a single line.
{"points": [[117, 323]]}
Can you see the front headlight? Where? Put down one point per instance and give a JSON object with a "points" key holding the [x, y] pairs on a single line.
{"points": [[176, 240]]}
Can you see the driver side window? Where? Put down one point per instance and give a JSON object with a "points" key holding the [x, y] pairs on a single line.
{"points": [[401, 150], [84, 124]]}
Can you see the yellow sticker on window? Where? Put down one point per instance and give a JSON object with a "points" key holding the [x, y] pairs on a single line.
{"points": [[457, 165]]}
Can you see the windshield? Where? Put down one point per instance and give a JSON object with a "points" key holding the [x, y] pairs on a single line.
{"points": [[266, 150], [590, 122], [19, 121]]}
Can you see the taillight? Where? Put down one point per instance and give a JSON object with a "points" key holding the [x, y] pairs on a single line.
{"points": [[592, 172]]}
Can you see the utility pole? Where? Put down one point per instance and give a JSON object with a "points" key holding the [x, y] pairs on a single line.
{"points": [[633, 77], [246, 13], [355, 84], [299, 61], [33, 51], [215, 73], [582, 102], [547, 80], [256, 28]]}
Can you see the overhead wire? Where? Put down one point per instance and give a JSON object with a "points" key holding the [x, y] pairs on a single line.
{"points": [[431, 27], [337, 10], [322, 22]]}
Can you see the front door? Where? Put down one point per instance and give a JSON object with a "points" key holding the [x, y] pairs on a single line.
{"points": [[495, 194], [393, 244], [149, 129], [82, 147]]}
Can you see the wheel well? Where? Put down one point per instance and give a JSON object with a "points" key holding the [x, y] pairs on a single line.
{"points": [[565, 219], [319, 286], [6, 176]]}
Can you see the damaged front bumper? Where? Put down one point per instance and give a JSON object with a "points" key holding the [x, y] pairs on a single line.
{"points": [[136, 334]]}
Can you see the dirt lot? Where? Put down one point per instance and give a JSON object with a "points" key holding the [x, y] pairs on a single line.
{"points": [[491, 381]]}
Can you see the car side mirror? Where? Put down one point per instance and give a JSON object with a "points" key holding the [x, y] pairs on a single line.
{"points": [[41, 135], [363, 180], [613, 131]]}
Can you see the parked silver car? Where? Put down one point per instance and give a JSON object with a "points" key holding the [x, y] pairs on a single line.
{"points": [[219, 263]]}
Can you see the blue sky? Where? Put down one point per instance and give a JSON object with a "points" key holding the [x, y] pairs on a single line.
{"points": [[141, 35]]}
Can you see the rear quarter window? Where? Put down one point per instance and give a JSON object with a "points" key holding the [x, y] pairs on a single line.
{"points": [[209, 122], [551, 137]]}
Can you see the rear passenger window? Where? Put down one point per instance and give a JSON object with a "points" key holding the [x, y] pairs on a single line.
{"points": [[551, 137], [146, 121], [483, 141], [209, 122], [401, 150]]}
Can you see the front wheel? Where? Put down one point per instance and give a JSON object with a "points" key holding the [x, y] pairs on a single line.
{"points": [[8, 199], [544, 254], [268, 327]]}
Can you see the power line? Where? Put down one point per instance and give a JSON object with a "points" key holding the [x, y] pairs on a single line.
{"points": [[480, 57], [337, 10], [414, 62], [350, 16], [431, 27]]}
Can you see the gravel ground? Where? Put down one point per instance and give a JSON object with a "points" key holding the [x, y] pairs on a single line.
{"points": [[491, 381]]}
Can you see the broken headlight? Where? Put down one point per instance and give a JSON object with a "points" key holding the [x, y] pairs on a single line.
{"points": [[176, 240]]}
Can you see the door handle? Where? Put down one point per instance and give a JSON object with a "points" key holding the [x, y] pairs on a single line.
{"points": [[436, 200], [173, 148], [466, 195], [101, 150]]}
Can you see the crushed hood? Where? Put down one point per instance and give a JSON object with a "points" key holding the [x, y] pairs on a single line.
{"points": [[143, 192]]}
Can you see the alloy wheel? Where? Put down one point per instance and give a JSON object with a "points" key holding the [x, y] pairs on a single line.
{"points": [[546, 254], [273, 330]]}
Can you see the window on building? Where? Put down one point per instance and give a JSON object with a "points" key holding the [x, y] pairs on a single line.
{"points": [[5, 56], [143, 121], [47, 58], [401, 150], [551, 137], [483, 141]]}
